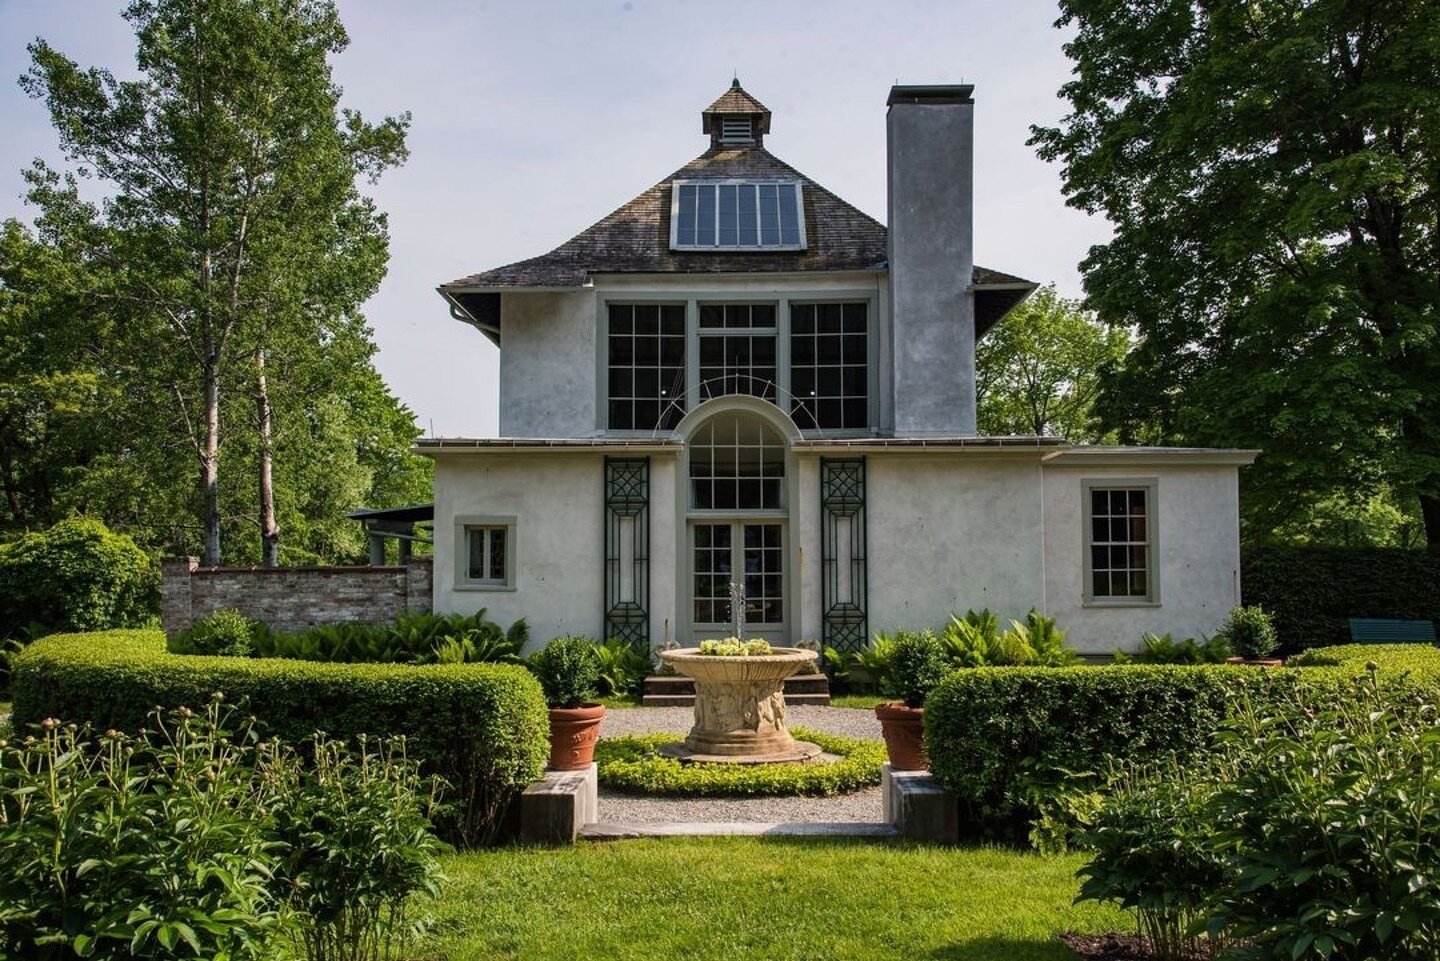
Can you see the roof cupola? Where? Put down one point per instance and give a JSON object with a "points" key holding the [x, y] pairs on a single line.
{"points": [[736, 119]]}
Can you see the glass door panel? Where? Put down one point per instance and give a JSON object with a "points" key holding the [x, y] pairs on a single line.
{"points": [[731, 550]]}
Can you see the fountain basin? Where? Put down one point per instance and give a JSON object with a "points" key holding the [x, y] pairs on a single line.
{"points": [[740, 706]]}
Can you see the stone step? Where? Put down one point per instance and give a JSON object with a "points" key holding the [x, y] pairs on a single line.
{"points": [[672, 690], [613, 831], [688, 700]]}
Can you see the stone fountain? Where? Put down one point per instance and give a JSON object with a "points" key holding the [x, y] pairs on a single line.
{"points": [[740, 701]]}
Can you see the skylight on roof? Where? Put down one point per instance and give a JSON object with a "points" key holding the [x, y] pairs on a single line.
{"points": [[736, 215]]}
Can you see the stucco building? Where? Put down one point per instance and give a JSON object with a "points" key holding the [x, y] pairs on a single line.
{"points": [[739, 377]]}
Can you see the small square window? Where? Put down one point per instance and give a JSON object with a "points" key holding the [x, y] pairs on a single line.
{"points": [[486, 549]]}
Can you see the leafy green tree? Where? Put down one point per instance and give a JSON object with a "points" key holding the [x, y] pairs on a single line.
{"points": [[232, 228], [1271, 172], [1037, 371]]}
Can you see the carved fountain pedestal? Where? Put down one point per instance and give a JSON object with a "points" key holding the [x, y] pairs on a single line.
{"points": [[740, 707]]}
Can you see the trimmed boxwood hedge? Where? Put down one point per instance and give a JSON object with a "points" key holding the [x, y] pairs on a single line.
{"points": [[482, 727], [631, 764], [1313, 591], [1007, 739]]}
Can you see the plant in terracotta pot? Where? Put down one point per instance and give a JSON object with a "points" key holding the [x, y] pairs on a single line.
{"points": [[569, 673], [1251, 635], [917, 664]]}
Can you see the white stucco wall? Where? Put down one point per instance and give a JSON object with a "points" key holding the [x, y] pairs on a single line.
{"points": [[557, 501], [547, 365], [1198, 555], [946, 532], [952, 532]]}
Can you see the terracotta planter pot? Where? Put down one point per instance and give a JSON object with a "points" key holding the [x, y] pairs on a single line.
{"points": [[904, 731], [573, 733], [1256, 662]]}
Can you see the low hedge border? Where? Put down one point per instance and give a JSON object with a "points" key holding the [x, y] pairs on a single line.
{"points": [[1006, 740], [484, 728], [631, 764]]}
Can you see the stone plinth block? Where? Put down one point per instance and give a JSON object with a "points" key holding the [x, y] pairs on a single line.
{"points": [[556, 807], [919, 808]]}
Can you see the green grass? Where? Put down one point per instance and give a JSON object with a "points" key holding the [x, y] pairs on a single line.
{"points": [[726, 898], [621, 701], [865, 702]]}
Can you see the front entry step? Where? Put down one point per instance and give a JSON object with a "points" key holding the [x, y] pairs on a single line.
{"points": [[611, 831], [674, 690]]}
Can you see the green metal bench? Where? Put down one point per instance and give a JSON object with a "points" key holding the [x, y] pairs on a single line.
{"points": [[1374, 630]]}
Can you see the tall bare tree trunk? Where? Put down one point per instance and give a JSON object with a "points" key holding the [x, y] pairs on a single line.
{"points": [[269, 529], [210, 466], [1430, 512]]}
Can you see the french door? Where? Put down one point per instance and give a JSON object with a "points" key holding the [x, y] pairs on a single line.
{"points": [[749, 552]]}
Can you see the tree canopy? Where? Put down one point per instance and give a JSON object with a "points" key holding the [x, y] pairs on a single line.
{"points": [[1038, 370], [202, 363], [1272, 172]]}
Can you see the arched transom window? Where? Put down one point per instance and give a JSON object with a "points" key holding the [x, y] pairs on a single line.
{"points": [[737, 463]]}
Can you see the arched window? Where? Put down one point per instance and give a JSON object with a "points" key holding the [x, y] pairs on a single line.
{"points": [[737, 463]]}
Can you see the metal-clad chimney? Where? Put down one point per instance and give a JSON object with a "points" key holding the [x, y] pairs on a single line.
{"points": [[930, 139]]}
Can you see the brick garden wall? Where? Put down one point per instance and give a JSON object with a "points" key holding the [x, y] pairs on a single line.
{"points": [[292, 598]]}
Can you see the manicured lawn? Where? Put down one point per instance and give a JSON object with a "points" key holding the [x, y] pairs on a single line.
{"points": [[726, 898], [866, 702]]}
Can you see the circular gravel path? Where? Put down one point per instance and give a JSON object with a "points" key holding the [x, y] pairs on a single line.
{"points": [[862, 805]]}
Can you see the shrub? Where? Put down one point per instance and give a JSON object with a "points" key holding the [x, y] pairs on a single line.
{"points": [[1311, 830], [481, 727], [1164, 649], [568, 671], [76, 576], [1313, 591], [736, 647], [222, 634], [633, 764], [1328, 812], [917, 664], [1250, 632], [976, 640], [1009, 740], [622, 668], [149, 847], [415, 637], [1005, 740], [1152, 854], [356, 847]]}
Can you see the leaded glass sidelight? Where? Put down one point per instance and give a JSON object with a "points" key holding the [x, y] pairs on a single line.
{"points": [[627, 550], [843, 554], [737, 463]]}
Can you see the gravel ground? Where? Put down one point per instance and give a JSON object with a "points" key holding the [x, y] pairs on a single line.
{"points": [[863, 805]]}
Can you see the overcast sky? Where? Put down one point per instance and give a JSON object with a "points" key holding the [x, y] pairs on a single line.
{"points": [[534, 119]]}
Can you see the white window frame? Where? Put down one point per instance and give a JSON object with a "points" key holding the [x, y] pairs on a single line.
{"points": [[1151, 486], [475, 523], [693, 300], [715, 248]]}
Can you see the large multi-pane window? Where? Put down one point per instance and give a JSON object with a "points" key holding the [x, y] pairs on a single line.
{"points": [[829, 366], [1120, 539], [737, 215], [737, 462], [737, 350], [646, 344]]}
